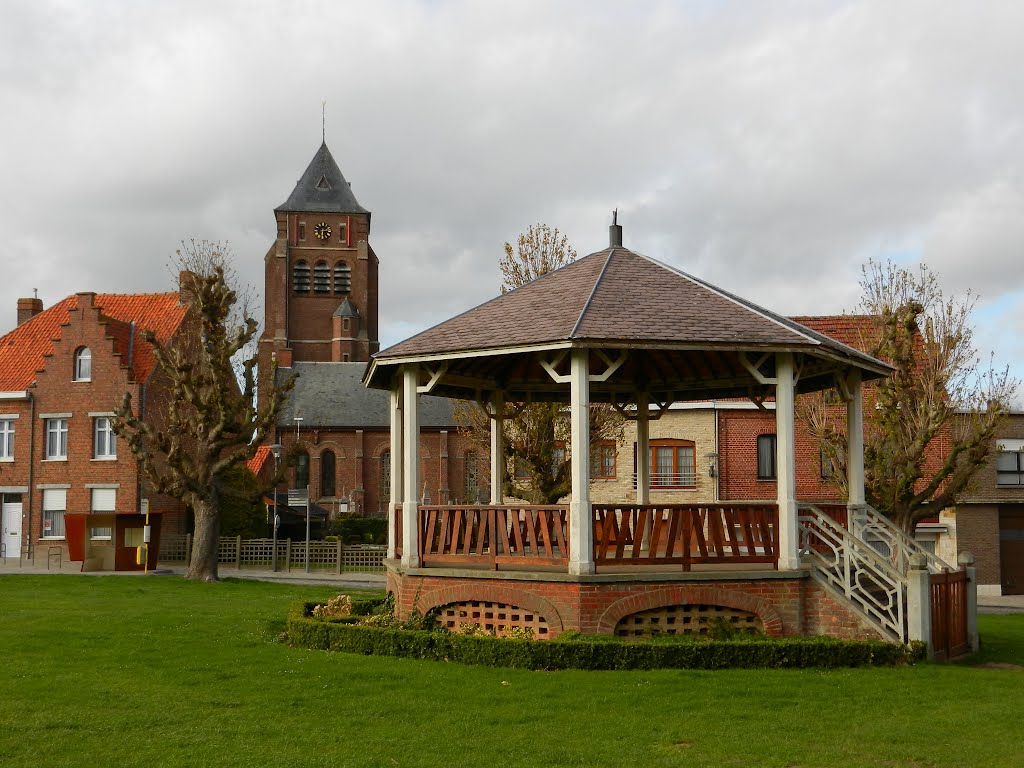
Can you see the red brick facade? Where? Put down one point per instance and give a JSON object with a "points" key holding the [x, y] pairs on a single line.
{"points": [[56, 407], [787, 605]]}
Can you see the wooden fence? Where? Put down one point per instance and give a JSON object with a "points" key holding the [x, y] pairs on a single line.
{"points": [[258, 554], [490, 536]]}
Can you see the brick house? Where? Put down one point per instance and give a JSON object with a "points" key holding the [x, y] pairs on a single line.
{"points": [[321, 324], [989, 521], [63, 371]]}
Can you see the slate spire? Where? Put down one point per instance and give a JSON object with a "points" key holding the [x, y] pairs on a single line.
{"points": [[322, 188]]}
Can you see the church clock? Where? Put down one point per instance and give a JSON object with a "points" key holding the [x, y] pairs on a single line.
{"points": [[322, 231]]}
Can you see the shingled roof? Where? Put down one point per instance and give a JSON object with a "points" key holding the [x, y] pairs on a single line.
{"points": [[322, 188], [22, 351], [332, 395], [694, 335]]}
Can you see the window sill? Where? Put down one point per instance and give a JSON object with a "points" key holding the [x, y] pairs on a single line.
{"points": [[51, 538], [6, 459], [673, 488], [81, 381], [103, 458], [56, 458]]}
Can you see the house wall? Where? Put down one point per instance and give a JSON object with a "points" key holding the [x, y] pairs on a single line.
{"points": [[697, 425]]}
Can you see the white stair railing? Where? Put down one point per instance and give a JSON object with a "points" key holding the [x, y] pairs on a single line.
{"points": [[854, 571], [875, 529]]}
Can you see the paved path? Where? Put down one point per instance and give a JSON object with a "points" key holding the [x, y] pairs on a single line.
{"points": [[348, 580], [1000, 603]]}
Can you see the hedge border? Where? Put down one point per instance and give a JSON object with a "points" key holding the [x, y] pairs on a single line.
{"points": [[581, 653]]}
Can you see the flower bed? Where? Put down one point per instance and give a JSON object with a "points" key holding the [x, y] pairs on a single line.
{"points": [[370, 628]]}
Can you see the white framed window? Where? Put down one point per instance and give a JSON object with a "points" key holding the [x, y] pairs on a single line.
{"points": [[83, 364], [56, 438], [104, 500], [104, 441], [55, 503], [6, 439]]}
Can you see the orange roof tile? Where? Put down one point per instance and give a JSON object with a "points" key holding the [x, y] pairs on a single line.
{"points": [[22, 351], [255, 464]]}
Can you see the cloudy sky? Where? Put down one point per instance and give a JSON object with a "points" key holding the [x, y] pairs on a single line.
{"points": [[769, 147]]}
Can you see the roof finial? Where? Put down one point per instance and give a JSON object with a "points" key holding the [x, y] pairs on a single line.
{"points": [[615, 231], [323, 121], [35, 293]]}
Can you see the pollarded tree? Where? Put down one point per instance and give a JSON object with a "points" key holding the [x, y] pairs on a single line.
{"points": [[209, 423], [930, 426], [535, 437]]}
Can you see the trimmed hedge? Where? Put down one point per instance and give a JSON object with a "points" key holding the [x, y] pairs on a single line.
{"points": [[580, 652]]}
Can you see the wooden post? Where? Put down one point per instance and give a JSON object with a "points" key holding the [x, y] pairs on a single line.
{"points": [[288, 555], [855, 444], [497, 450], [340, 554], [238, 553], [785, 462], [581, 516], [410, 467]]}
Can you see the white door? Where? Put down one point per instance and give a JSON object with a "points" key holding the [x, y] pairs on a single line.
{"points": [[11, 529]]}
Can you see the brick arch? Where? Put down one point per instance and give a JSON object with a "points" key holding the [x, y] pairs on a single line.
{"points": [[461, 592], [330, 445], [684, 595]]}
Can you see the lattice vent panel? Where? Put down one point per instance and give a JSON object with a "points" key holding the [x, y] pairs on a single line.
{"points": [[497, 618], [687, 620]]}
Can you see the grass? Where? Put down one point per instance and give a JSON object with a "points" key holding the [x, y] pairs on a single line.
{"points": [[156, 671]]}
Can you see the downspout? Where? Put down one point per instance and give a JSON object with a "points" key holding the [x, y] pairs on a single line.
{"points": [[31, 464]]}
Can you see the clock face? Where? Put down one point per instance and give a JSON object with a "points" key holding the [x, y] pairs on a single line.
{"points": [[322, 231]]}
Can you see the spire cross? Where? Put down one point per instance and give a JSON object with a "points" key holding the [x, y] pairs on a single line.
{"points": [[323, 121]]}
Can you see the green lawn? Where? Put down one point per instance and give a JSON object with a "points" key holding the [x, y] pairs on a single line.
{"points": [[156, 671]]}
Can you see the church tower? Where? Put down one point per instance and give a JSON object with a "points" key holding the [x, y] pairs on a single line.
{"points": [[321, 274]]}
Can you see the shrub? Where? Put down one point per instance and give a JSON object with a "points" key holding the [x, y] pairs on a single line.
{"points": [[360, 530], [572, 650]]}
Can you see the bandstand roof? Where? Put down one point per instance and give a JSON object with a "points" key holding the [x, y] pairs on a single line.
{"points": [[669, 333]]}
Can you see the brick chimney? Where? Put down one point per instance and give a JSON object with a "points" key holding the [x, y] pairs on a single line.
{"points": [[28, 308]]}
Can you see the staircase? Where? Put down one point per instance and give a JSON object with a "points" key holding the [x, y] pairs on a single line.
{"points": [[864, 565]]}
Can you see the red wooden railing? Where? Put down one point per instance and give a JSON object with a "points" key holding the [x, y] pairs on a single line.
{"points": [[685, 534], [480, 536], [949, 614]]}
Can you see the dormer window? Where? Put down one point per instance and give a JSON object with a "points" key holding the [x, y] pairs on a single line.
{"points": [[322, 277], [83, 364], [342, 277], [300, 277]]}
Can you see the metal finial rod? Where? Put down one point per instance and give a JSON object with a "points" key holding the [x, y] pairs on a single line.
{"points": [[323, 121]]}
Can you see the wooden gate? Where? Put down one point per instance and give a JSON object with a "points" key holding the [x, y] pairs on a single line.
{"points": [[949, 615]]}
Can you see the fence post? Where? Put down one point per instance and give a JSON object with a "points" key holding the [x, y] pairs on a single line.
{"points": [[238, 553], [919, 602], [188, 548], [966, 561], [339, 554], [288, 556]]}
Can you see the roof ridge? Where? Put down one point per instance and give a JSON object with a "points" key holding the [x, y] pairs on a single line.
{"points": [[590, 298], [767, 314]]}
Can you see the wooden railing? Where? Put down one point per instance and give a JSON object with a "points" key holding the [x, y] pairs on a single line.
{"points": [[685, 534], [478, 536]]}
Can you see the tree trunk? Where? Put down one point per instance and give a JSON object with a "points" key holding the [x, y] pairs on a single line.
{"points": [[205, 543]]}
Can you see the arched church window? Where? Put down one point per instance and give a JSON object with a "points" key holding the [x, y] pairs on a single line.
{"points": [[301, 469], [327, 469], [472, 478], [300, 277], [342, 277], [385, 474], [322, 277]]}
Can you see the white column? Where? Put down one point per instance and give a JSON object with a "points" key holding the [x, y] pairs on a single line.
{"points": [[497, 448], [643, 450], [395, 497], [855, 442], [410, 467], [581, 518], [788, 539]]}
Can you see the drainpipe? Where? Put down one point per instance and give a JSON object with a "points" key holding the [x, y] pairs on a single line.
{"points": [[31, 464]]}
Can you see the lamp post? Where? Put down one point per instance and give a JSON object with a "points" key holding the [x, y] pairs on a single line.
{"points": [[276, 449]]}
